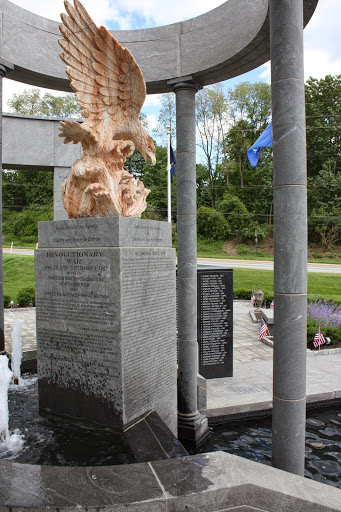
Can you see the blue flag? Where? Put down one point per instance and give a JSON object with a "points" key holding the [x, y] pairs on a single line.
{"points": [[264, 141], [172, 162]]}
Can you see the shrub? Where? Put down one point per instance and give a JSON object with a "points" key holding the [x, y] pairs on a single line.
{"points": [[235, 212], [246, 295], [7, 301], [248, 232], [329, 332], [151, 214], [24, 225], [325, 313], [26, 297], [268, 298], [242, 294], [327, 225], [212, 224]]}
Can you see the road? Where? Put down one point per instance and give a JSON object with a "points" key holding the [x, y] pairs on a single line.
{"points": [[252, 264], [21, 252], [266, 265]]}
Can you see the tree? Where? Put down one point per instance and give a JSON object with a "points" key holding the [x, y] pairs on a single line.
{"points": [[32, 103], [154, 178], [250, 113], [212, 224], [235, 212], [33, 188], [252, 103], [323, 114], [167, 117], [237, 141], [211, 119], [27, 189], [325, 188], [328, 225], [203, 193]]}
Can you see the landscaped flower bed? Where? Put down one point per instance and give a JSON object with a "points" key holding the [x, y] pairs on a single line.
{"points": [[326, 316]]}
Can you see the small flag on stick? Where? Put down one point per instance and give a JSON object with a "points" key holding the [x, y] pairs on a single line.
{"points": [[319, 339], [263, 330], [253, 298]]}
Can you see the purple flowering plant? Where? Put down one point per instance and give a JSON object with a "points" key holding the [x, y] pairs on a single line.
{"points": [[325, 313]]}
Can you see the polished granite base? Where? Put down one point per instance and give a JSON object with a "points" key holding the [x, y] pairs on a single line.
{"points": [[214, 482]]}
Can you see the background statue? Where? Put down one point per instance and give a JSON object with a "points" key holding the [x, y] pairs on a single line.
{"points": [[111, 90]]}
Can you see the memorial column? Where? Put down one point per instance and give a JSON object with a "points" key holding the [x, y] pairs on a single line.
{"points": [[192, 426], [290, 235], [60, 174], [3, 70]]}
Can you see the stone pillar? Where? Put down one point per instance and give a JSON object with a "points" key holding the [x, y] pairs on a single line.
{"points": [[60, 174], [290, 235], [192, 426], [4, 66]]}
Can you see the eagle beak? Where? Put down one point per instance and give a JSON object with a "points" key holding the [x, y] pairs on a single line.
{"points": [[152, 158], [149, 156]]}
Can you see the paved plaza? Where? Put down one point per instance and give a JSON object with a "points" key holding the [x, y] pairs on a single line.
{"points": [[250, 388]]}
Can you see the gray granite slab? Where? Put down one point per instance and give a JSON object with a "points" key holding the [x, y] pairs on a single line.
{"points": [[104, 232], [225, 42], [218, 481], [213, 482], [106, 334], [60, 174]]}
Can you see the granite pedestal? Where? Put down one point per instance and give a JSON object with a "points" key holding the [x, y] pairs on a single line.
{"points": [[105, 308]]}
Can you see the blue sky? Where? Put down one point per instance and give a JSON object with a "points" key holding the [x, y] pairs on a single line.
{"points": [[322, 38]]}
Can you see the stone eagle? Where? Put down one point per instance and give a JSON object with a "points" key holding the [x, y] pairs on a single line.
{"points": [[109, 86]]}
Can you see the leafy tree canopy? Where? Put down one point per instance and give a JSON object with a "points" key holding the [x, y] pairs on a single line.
{"points": [[32, 103], [323, 114], [167, 117]]}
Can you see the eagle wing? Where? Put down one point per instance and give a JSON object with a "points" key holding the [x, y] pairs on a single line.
{"points": [[108, 82]]}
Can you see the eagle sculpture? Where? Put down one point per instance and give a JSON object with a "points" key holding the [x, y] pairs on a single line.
{"points": [[111, 90]]}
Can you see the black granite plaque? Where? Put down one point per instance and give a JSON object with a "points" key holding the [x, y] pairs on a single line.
{"points": [[215, 322]]}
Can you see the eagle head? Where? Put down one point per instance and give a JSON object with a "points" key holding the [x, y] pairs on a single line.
{"points": [[146, 146]]}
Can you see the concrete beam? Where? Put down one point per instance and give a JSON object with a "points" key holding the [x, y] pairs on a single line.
{"points": [[30, 141], [221, 44]]}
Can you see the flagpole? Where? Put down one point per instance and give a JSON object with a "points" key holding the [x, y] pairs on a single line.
{"points": [[169, 176]]}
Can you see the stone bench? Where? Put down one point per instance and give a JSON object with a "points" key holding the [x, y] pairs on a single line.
{"points": [[268, 317]]}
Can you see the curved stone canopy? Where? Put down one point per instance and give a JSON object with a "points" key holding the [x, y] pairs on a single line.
{"points": [[221, 44]]}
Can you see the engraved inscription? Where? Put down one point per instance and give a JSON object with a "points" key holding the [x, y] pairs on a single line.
{"points": [[148, 326], [215, 322], [77, 317], [106, 326]]}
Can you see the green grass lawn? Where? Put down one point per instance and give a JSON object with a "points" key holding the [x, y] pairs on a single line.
{"points": [[19, 273], [327, 286], [214, 249]]}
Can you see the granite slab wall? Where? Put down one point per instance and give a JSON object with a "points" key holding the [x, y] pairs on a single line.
{"points": [[211, 482], [31, 142], [60, 174], [105, 308]]}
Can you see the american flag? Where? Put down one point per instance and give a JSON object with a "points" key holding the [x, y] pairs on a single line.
{"points": [[172, 162], [263, 330], [253, 298], [272, 305], [319, 339]]}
